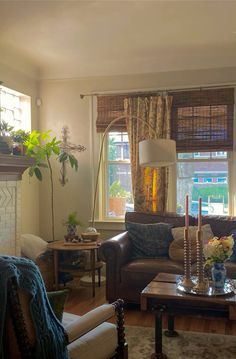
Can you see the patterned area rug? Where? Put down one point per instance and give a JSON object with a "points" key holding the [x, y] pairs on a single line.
{"points": [[188, 345]]}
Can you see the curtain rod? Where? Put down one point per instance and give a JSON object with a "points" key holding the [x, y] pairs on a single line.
{"points": [[160, 91]]}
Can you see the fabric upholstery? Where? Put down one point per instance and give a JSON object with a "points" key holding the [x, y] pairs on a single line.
{"points": [[57, 301], [88, 321], [99, 343], [32, 246], [150, 240], [176, 249]]}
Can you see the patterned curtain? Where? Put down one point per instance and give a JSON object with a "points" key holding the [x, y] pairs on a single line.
{"points": [[150, 185]]}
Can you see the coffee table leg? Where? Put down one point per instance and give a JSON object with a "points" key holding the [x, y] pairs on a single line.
{"points": [[158, 337], [171, 323]]}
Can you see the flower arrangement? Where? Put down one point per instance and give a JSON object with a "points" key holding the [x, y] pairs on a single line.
{"points": [[217, 250]]}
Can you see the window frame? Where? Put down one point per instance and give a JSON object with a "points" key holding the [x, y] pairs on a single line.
{"points": [[228, 159]]}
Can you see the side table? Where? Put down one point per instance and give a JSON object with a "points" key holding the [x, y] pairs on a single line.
{"points": [[62, 246]]}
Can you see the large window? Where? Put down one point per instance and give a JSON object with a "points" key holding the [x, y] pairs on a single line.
{"points": [[202, 126], [205, 175], [117, 184], [15, 109]]}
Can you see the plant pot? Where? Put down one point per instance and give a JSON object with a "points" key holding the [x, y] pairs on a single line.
{"points": [[18, 149], [117, 205], [218, 273], [5, 145]]}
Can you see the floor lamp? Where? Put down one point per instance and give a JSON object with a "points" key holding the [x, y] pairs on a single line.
{"points": [[152, 153]]}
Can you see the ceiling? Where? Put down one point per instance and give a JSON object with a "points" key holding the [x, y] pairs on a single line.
{"points": [[71, 39]]}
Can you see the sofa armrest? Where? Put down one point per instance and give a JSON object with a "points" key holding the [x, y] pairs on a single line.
{"points": [[116, 252]]}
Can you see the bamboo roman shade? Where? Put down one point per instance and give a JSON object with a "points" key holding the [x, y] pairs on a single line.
{"points": [[202, 120], [109, 108]]}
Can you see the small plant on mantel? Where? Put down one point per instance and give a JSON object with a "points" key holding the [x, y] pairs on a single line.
{"points": [[5, 136], [42, 147]]}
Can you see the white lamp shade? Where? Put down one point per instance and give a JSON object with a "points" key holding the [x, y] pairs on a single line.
{"points": [[157, 153]]}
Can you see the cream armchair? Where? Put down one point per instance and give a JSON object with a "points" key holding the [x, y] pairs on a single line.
{"points": [[88, 336]]}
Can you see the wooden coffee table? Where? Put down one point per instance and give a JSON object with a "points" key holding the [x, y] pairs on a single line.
{"points": [[161, 296]]}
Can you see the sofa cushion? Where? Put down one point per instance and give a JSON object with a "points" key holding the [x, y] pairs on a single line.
{"points": [[176, 249], [233, 257], [32, 246], [140, 272], [57, 301], [150, 240]]}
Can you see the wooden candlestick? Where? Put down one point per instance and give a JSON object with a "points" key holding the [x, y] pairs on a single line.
{"points": [[187, 281], [202, 283]]}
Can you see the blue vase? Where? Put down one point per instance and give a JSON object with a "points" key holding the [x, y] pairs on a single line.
{"points": [[218, 273]]}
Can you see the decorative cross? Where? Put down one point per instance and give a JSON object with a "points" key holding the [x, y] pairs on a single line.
{"points": [[67, 148]]}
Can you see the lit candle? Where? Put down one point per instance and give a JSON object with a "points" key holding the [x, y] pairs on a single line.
{"points": [[186, 212], [199, 213]]}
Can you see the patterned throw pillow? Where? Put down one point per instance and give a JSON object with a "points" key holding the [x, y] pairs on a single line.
{"points": [[57, 301], [150, 240], [176, 249]]}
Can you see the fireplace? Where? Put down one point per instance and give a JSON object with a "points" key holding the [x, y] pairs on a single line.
{"points": [[11, 169]]}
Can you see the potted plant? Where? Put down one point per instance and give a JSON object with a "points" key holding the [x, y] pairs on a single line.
{"points": [[117, 198], [5, 137], [71, 223], [41, 147], [19, 137]]}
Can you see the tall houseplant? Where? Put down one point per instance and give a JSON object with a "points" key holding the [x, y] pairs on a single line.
{"points": [[42, 148]]}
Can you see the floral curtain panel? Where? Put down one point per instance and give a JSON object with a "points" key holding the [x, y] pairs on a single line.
{"points": [[150, 185]]}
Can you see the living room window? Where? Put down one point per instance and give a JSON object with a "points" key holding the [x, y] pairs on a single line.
{"points": [[202, 125], [206, 176], [15, 108], [117, 184]]}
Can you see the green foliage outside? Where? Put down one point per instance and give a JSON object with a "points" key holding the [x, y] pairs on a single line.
{"points": [[116, 190], [212, 191]]}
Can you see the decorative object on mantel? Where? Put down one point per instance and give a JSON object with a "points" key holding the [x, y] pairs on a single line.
{"points": [[216, 252], [41, 147], [66, 155], [187, 281], [71, 223], [90, 235], [19, 137]]}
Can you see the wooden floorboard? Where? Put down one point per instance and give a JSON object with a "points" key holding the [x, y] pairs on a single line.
{"points": [[80, 301]]}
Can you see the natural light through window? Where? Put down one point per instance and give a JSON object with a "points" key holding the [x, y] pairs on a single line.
{"points": [[118, 176], [15, 109], [205, 175]]}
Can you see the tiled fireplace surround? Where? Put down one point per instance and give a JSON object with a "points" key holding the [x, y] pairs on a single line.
{"points": [[11, 169]]}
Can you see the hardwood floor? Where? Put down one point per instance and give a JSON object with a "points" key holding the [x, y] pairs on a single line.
{"points": [[80, 301]]}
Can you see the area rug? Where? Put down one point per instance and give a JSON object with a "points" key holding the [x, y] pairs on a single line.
{"points": [[188, 345]]}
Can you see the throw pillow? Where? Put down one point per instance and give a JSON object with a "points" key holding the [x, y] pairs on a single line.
{"points": [[32, 246], [233, 257], [150, 240], [57, 301], [176, 249]]}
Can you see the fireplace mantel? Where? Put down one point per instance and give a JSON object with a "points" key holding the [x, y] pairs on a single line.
{"points": [[12, 167]]}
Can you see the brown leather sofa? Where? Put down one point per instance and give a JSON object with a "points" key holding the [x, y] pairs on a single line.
{"points": [[126, 277]]}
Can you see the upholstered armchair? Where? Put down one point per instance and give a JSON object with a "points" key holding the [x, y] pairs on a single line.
{"points": [[30, 329]]}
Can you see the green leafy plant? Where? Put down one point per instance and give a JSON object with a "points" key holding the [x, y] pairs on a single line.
{"points": [[5, 128], [41, 147], [20, 136], [116, 190], [72, 220]]}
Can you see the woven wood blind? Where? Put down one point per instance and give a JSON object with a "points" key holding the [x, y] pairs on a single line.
{"points": [[109, 108], [202, 120]]}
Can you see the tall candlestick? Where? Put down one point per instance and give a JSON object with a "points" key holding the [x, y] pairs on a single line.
{"points": [[199, 213], [202, 283], [187, 281], [186, 212]]}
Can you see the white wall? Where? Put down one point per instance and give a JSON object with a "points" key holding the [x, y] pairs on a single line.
{"points": [[17, 74], [61, 105]]}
